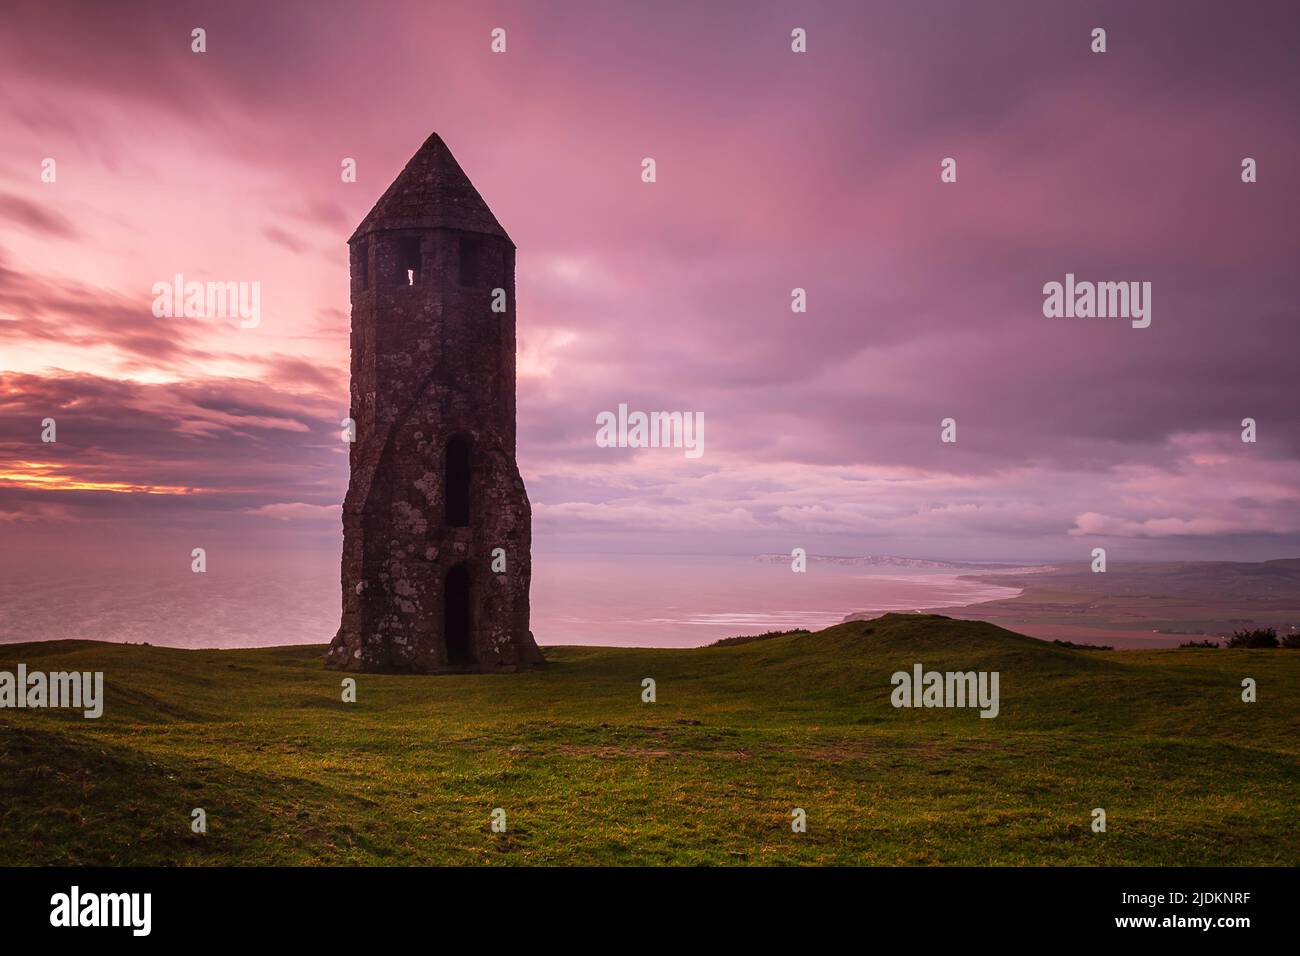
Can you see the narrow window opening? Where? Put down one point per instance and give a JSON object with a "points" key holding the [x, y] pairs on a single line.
{"points": [[469, 261], [363, 264], [408, 260], [457, 475]]}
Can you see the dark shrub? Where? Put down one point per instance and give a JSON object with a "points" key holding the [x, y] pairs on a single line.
{"points": [[750, 638], [1260, 637], [1199, 644]]}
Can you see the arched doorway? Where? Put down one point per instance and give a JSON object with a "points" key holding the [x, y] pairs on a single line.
{"points": [[456, 476], [458, 616]]}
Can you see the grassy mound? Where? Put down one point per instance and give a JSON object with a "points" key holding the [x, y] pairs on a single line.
{"points": [[587, 773]]}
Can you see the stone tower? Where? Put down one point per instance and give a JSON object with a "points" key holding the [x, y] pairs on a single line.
{"points": [[434, 489]]}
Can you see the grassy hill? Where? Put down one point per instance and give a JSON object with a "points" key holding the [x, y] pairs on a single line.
{"points": [[588, 774]]}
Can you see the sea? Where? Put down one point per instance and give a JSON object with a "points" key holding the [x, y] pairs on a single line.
{"points": [[260, 598]]}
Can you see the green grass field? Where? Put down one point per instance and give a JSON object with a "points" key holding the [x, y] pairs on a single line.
{"points": [[708, 774]]}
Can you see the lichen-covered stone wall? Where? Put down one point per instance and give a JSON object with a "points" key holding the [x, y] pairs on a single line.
{"points": [[431, 362]]}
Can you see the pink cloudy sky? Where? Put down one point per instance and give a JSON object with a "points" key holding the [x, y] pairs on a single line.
{"points": [[775, 170]]}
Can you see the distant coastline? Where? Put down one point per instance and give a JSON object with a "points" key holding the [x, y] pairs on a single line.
{"points": [[1158, 604]]}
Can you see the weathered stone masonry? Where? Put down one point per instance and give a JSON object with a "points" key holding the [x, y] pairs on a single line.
{"points": [[434, 485]]}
